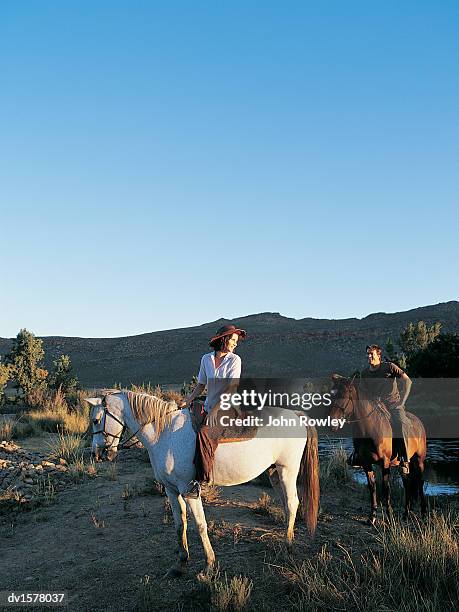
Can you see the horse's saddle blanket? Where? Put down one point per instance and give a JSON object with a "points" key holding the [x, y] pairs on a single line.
{"points": [[222, 433]]}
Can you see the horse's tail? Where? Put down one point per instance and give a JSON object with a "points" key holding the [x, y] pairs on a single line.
{"points": [[309, 479]]}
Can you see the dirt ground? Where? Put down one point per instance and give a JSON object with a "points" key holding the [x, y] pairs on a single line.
{"points": [[109, 540]]}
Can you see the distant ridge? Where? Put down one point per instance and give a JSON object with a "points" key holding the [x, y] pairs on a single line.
{"points": [[276, 346]]}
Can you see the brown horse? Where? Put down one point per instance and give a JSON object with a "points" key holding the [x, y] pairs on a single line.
{"points": [[372, 434]]}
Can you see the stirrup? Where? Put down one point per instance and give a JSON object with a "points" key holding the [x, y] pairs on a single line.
{"points": [[404, 467], [353, 460], [193, 490]]}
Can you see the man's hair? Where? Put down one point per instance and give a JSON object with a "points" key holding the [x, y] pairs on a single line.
{"points": [[374, 347]]}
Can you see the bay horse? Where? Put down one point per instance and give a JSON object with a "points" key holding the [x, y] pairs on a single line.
{"points": [[169, 438], [372, 434]]}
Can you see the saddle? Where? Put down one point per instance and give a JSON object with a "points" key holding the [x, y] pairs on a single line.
{"points": [[222, 434], [208, 438]]}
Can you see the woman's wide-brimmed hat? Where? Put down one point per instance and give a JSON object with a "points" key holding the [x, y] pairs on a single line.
{"points": [[228, 330]]}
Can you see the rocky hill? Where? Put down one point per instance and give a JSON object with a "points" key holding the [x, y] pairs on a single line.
{"points": [[276, 346]]}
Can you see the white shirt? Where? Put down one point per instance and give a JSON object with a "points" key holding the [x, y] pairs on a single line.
{"points": [[230, 368]]}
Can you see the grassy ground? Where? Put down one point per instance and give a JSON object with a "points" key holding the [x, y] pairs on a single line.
{"points": [[108, 538], [108, 541]]}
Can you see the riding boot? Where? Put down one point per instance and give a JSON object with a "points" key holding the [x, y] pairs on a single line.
{"points": [[193, 490]]}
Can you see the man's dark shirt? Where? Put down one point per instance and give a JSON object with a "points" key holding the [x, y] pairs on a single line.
{"points": [[382, 382]]}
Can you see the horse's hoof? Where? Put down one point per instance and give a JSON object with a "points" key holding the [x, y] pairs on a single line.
{"points": [[174, 572]]}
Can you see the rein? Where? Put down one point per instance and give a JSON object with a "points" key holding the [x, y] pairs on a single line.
{"points": [[351, 399], [123, 445]]}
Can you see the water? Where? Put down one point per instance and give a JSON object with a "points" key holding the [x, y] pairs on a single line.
{"points": [[442, 464]]}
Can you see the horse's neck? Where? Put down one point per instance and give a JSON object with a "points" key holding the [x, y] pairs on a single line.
{"points": [[128, 416], [362, 410], [146, 433]]}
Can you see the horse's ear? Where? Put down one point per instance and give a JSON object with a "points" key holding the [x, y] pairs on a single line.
{"points": [[355, 374], [94, 401]]}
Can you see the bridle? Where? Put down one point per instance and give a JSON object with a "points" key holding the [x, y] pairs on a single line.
{"points": [[106, 413], [351, 400]]}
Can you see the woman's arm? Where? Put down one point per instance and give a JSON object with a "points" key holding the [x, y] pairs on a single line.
{"points": [[197, 391]]}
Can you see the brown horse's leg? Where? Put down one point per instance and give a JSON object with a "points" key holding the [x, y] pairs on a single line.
{"points": [[371, 480], [386, 489], [408, 486], [417, 468], [422, 495]]}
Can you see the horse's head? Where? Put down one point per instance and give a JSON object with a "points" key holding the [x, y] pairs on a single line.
{"points": [[107, 426], [343, 396]]}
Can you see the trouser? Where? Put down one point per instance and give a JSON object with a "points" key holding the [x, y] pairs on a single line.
{"points": [[204, 454], [398, 442]]}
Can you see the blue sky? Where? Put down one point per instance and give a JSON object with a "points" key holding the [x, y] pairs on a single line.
{"points": [[166, 164]]}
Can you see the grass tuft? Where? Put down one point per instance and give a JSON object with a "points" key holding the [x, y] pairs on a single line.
{"points": [[265, 506], [226, 593], [67, 446], [335, 470]]}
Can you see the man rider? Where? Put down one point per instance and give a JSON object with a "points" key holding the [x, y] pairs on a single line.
{"points": [[380, 379]]}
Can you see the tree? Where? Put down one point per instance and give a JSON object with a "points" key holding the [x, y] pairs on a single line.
{"points": [[63, 376], [439, 359], [24, 361], [417, 337], [5, 374], [390, 349]]}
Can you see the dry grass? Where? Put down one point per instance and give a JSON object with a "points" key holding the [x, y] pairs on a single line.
{"points": [[166, 394], [112, 471], [210, 493], [67, 446], [127, 492], [415, 567], [226, 593], [335, 470], [152, 487], [46, 492], [97, 522], [265, 506], [7, 428], [50, 411]]}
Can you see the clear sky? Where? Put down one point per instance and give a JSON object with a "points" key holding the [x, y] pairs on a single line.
{"points": [[164, 164]]}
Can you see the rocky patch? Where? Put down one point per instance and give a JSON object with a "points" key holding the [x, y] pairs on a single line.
{"points": [[27, 474]]}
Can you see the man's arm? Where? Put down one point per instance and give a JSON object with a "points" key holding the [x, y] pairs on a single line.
{"points": [[407, 382]]}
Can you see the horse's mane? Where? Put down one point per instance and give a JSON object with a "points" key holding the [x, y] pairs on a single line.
{"points": [[150, 409]]}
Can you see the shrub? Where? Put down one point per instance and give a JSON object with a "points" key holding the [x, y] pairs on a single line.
{"points": [[24, 360], [63, 377]]}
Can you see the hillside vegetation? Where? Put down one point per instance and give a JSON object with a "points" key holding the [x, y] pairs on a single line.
{"points": [[276, 346]]}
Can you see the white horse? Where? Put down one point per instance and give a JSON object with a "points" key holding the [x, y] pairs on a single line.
{"points": [[167, 434]]}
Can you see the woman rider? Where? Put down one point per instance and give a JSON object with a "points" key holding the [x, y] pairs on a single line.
{"points": [[220, 372]]}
